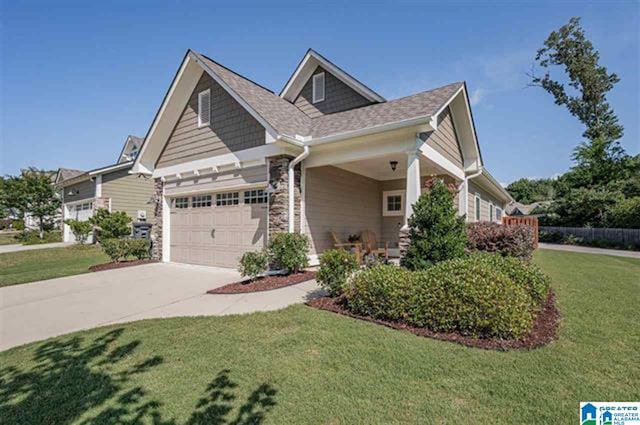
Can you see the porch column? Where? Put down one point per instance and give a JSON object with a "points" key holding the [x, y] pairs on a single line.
{"points": [[411, 197]]}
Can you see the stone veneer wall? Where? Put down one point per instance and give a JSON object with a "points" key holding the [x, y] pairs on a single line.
{"points": [[279, 199], [156, 230]]}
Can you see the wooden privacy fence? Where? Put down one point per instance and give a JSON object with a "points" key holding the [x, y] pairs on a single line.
{"points": [[623, 236], [527, 221]]}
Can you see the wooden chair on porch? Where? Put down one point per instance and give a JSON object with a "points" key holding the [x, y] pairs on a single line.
{"points": [[356, 246], [371, 246]]}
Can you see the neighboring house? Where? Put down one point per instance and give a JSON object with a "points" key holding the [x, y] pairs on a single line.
{"points": [[223, 151], [111, 187], [517, 209]]}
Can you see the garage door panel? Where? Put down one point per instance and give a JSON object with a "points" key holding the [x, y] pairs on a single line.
{"points": [[238, 228]]}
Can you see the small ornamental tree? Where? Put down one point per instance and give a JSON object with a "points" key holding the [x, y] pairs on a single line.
{"points": [[80, 229], [437, 232], [111, 224]]}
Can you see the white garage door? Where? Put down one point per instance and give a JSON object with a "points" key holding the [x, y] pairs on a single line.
{"points": [[79, 211], [216, 229]]}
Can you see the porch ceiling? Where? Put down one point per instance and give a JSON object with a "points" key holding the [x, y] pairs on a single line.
{"points": [[379, 168]]}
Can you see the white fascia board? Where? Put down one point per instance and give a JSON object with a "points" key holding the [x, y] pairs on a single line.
{"points": [[470, 118], [421, 120], [443, 162], [111, 168], [497, 185], [245, 158], [444, 106], [195, 191], [309, 64], [138, 166], [233, 94]]}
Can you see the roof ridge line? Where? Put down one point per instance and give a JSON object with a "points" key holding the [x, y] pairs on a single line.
{"points": [[237, 73]]}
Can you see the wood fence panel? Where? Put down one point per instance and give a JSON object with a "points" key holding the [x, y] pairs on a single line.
{"points": [[527, 221]]}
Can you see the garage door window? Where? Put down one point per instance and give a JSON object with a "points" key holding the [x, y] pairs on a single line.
{"points": [[85, 206], [224, 199], [181, 203], [201, 201], [255, 197]]}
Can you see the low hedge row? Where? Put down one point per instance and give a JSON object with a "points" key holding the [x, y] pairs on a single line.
{"points": [[482, 295], [122, 249], [513, 240]]}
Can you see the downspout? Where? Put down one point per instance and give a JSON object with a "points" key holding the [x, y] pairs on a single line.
{"points": [[292, 165]]}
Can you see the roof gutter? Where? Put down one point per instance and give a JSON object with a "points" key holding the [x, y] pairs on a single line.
{"points": [[421, 120]]}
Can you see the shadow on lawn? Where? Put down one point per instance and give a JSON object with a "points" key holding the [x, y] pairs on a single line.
{"points": [[70, 377]]}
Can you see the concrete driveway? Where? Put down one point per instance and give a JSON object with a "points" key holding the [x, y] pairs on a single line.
{"points": [[39, 310]]}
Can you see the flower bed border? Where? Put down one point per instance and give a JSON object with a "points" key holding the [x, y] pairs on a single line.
{"points": [[122, 264], [544, 331], [262, 284]]}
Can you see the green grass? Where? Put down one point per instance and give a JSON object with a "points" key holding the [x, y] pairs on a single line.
{"points": [[304, 366], [40, 264]]}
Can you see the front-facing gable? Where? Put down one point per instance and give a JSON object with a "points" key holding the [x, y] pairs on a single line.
{"points": [[338, 96], [232, 128], [445, 139]]}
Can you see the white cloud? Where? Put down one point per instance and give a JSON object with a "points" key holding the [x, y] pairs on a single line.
{"points": [[477, 96]]}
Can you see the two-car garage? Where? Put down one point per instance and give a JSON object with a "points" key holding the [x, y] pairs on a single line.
{"points": [[215, 229]]}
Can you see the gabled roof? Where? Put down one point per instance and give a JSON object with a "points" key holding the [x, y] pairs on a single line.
{"points": [[130, 141], [283, 116], [424, 104], [309, 62], [67, 173]]}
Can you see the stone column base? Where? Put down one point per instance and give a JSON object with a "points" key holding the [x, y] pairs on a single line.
{"points": [[156, 229]]}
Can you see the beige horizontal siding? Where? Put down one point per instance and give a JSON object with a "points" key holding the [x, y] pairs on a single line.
{"points": [[337, 96], [485, 199], [128, 193], [86, 189], [232, 128], [340, 201], [444, 140], [391, 225], [219, 181]]}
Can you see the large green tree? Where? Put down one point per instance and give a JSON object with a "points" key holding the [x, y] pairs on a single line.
{"points": [[528, 191], [42, 199], [582, 88]]}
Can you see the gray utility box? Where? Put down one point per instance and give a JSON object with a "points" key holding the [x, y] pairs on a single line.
{"points": [[142, 230]]}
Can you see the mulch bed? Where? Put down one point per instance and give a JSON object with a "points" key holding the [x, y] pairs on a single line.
{"points": [[544, 329], [266, 283], [121, 264]]}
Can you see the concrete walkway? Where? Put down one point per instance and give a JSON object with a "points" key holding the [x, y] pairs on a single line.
{"points": [[589, 250], [36, 311], [17, 247]]}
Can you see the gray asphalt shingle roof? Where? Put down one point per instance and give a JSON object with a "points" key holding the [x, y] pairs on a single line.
{"points": [[68, 173], [287, 119]]}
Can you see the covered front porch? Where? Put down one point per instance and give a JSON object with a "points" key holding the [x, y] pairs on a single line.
{"points": [[374, 192]]}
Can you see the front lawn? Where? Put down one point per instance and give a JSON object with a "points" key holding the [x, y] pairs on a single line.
{"points": [[302, 365], [40, 264], [7, 238]]}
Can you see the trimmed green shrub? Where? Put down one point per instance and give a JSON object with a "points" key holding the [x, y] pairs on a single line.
{"points": [[80, 229], [382, 292], [111, 224], [122, 249], [288, 251], [437, 232], [484, 295], [550, 237], [512, 240], [336, 265], [523, 273], [252, 264], [17, 225]]}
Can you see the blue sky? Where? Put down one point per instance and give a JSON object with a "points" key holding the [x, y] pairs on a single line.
{"points": [[77, 77]]}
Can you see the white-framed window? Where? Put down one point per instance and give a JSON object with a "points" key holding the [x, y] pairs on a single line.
{"points": [[224, 199], [393, 203], [318, 88], [477, 206], [499, 214], [204, 108], [200, 201], [181, 203], [257, 196]]}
